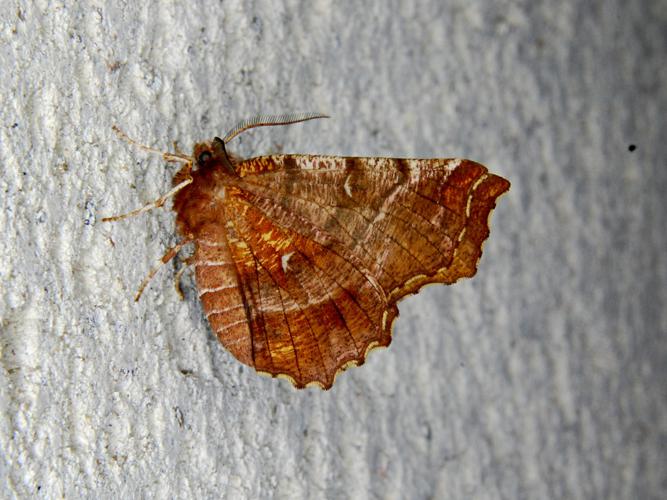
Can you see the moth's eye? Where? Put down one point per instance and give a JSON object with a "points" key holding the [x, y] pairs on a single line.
{"points": [[204, 156]]}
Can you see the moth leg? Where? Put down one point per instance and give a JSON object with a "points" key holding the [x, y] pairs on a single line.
{"points": [[177, 279], [178, 150], [155, 204], [170, 157], [169, 254]]}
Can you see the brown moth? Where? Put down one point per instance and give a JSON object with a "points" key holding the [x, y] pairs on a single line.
{"points": [[300, 259]]}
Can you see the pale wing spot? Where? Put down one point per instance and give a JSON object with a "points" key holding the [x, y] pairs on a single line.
{"points": [[212, 263], [215, 289], [284, 260], [278, 161], [229, 343], [454, 163], [461, 235], [231, 325], [347, 187], [207, 243], [223, 310], [472, 191], [278, 243]]}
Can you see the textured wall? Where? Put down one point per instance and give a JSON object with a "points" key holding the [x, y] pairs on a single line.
{"points": [[544, 376]]}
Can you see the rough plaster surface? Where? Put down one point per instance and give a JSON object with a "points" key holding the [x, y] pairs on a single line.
{"points": [[543, 377]]}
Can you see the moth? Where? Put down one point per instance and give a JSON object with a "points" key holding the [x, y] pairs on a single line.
{"points": [[301, 259]]}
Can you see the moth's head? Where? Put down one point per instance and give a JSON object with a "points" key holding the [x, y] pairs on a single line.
{"points": [[212, 155]]}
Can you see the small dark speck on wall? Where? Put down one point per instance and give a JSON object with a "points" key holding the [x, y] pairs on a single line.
{"points": [[632, 147]]}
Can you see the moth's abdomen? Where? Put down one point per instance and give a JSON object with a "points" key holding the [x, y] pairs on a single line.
{"points": [[221, 296]]}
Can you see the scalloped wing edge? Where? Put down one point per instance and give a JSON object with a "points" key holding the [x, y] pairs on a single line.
{"points": [[498, 186]]}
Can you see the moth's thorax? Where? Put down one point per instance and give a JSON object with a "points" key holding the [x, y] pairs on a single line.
{"points": [[200, 203]]}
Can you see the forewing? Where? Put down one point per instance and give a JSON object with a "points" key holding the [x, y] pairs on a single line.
{"points": [[407, 221], [323, 247]]}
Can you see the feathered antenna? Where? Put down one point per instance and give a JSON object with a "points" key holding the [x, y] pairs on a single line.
{"points": [[269, 121]]}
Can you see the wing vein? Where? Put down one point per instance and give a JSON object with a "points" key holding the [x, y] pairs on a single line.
{"points": [[296, 302], [370, 225], [331, 299]]}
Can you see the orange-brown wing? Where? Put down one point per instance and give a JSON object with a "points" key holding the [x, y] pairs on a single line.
{"points": [[323, 247]]}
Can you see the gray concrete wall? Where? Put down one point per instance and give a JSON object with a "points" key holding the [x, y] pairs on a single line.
{"points": [[542, 377]]}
